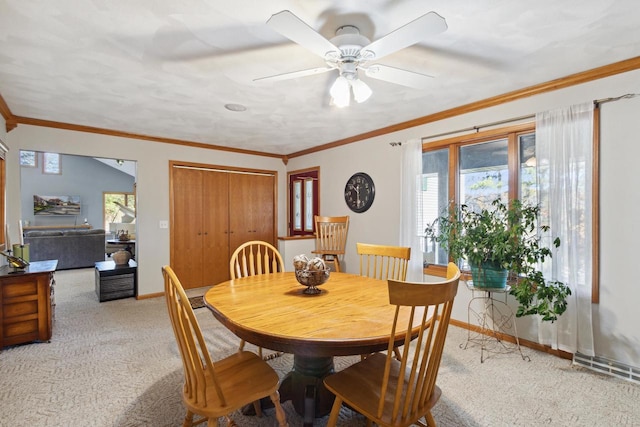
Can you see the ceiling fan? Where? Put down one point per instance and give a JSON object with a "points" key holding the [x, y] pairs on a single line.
{"points": [[350, 52]]}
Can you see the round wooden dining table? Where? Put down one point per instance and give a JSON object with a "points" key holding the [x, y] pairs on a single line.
{"points": [[351, 316]]}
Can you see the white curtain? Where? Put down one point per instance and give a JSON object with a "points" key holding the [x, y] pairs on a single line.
{"points": [[410, 177], [564, 151]]}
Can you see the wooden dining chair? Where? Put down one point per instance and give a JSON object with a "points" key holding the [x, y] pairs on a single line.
{"points": [[396, 393], [252, 258], [331, 238], [384, 262], [255, 257], [213, 390]]}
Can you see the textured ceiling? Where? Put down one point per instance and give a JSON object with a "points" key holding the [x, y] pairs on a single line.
{"points": [[166, 68]]}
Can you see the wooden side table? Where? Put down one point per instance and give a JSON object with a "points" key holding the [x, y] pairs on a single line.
{"points": [[27, 303], [116, 281]]}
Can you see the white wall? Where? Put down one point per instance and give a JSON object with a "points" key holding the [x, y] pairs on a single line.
{"points": [[617, 335], [617, 316], [152, 242]]}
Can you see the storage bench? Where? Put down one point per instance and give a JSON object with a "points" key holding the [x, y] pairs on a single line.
{"points": [[116, 281]]}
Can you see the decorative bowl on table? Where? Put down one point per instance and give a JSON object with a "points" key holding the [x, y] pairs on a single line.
{"points": [[312, 279], [310, 273]]}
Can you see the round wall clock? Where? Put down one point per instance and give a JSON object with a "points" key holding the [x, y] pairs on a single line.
{"points": [[359, 192]]}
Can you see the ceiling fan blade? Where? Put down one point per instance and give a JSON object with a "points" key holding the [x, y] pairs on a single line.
{"points": [[293, 28], [295, 74], [398, 76], [407, 35]]}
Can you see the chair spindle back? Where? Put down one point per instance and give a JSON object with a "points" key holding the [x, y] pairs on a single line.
{"points": [[383, 262], [331, 237], [255, 257], [196, 359], [421, 359]]}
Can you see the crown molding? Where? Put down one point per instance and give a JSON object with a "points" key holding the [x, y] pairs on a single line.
{"points": [[110, 132]]}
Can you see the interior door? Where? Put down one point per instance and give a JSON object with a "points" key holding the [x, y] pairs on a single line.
{"points": [[251, 207], [213, 212], [186, 251], [215, 228], [263, 209]]}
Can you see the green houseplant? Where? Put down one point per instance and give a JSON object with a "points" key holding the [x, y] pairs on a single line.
{"points": [[503, 240]]}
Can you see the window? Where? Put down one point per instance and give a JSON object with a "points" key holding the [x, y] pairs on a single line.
{"points": [[528, 175], [51, 164], [433, 199], [474, 170], [303, 201], [118, 208], [29, 159], [484, 174]]}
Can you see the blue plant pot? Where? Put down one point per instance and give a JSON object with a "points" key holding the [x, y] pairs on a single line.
{"points": [[488, 276]]}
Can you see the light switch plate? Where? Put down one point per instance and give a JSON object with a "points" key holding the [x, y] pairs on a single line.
{"points": [[164, 224]]}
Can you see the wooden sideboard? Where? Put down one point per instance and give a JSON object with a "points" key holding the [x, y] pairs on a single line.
{"points": [[27, 303]]}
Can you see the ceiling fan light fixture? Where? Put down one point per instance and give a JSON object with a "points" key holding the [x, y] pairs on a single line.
{"points": [[361, 90], [340, 92], [349, 52]]}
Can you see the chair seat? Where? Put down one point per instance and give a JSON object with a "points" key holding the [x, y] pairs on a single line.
{"points": [[360, 385], [244, 376]]}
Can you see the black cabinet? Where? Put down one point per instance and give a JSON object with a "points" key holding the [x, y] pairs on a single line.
{"points": [[116, 281]]}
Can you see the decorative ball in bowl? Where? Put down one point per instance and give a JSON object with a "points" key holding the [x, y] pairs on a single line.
{"points": [[312, 279], [310, 273]]}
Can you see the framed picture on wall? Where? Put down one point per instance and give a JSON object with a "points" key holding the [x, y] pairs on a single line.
{"points": [[56, 205]]}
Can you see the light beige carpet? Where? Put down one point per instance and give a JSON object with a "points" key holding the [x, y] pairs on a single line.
{"points": [[116, 364]]}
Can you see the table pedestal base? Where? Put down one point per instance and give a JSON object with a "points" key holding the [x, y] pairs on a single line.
{"points": [[305, 388]]}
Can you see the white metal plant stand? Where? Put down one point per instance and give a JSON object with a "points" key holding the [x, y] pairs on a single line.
{"points": [[495, 319]]}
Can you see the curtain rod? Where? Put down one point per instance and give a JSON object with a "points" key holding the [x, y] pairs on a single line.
{"points": [[478, 127], [597, 102]]}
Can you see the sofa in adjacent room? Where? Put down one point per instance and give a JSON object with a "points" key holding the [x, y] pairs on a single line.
{"points": [[72, 248]]}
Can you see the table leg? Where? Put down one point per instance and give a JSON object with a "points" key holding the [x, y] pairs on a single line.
{"points": [[305, 388]]}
